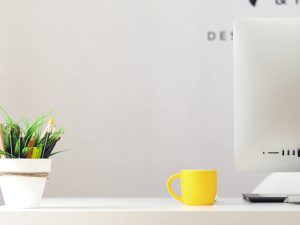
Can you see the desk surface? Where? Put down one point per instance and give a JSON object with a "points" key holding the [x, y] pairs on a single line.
{"points": [[151, 211]]}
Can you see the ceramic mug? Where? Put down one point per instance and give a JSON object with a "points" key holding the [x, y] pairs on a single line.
{"points": [[198, 187]]}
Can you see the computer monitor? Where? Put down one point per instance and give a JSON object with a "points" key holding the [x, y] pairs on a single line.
{"points": [[267, 94]]}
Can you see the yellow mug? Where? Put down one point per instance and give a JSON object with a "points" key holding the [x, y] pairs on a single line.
{"points": [[198, 187]]}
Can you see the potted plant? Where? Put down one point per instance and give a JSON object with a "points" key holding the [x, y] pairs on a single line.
{"points": [[25, 163]]}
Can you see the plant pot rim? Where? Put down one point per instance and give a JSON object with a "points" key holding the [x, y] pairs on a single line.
{"points": [[24, 159], [21, 159], [25, 165]]}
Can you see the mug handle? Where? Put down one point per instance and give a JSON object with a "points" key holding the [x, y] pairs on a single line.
{"points": [[169, 187]]}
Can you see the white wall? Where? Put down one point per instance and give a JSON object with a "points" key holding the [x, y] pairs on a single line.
{"points": [[139, 88]]}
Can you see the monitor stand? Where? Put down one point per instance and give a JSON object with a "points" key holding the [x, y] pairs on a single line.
{"points": [[276, 187]]}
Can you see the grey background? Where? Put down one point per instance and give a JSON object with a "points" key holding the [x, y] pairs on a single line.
{"points": [[140, 90]]}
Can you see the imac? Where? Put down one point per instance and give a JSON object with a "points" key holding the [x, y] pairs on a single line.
{"points": [[267, 101]]}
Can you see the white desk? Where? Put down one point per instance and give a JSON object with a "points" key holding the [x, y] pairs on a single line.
{"points": [[154, 211]]}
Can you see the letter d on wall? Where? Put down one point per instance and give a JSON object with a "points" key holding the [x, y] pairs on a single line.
{"points": [[211, 36]]}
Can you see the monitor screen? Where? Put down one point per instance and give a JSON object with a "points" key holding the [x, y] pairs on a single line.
{"points": [[267, 94]]}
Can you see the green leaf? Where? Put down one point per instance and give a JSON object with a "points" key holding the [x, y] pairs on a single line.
{"points": [[40, 149], [24, 152], [6, 154], [54, 153]]}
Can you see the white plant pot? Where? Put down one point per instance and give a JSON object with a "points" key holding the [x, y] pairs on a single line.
{"points": [[23, 191]]}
